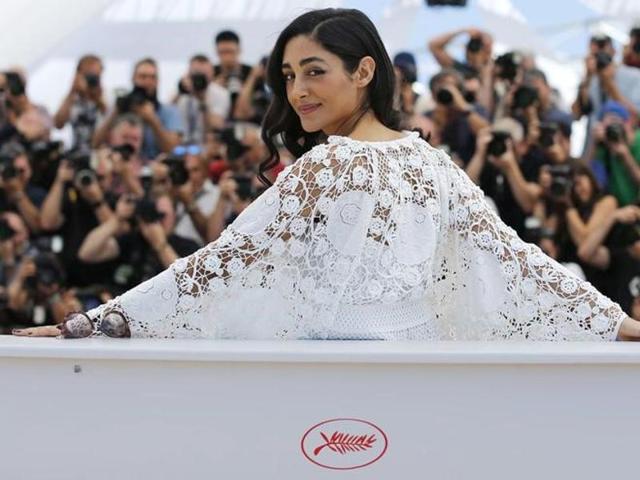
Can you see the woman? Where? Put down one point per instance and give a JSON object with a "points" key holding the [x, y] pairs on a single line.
{"points": [[371, 234]]}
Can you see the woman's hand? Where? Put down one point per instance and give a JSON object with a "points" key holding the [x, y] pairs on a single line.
{"points": [[43, 331]]}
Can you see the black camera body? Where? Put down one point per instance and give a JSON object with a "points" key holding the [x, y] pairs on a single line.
{"points": [[6, 232], [8, 170], [199, 82], [15, 85], [132, 100], [524, 96], [561, 181], [603, 59], [547, 134], [444, 97], [146, 211], [81, 163], [245, 189], [475, 44], [498, 144], [125, 150], [93, 80], [178, 173], [509, 64], [614, 133]]}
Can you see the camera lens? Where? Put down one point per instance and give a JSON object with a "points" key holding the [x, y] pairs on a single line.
{"points": [[444, 96]]}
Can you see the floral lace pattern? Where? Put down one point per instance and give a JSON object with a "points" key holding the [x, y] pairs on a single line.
{"points": [[369, 240]]}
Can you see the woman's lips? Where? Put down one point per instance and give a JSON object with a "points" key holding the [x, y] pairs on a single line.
{"points": [[307, 109]]}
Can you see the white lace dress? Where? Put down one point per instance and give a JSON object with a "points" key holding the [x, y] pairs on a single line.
{"points": [[369, 240]]}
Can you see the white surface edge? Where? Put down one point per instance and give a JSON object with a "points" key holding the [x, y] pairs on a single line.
{"points": [[321, 351]]}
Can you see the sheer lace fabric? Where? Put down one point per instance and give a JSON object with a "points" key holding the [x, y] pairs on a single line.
{"points": [[369, 240]]}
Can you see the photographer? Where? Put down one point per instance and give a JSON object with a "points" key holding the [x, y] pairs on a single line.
{"points": [[631, 51], [203, 104], [456, 122], [574, 206], [78, 200], [122, 157], [616, 154], [36, 294], [17, 193], [253, 100], [605, 80], [25, 121], [237, 191], [505, 173], [230, 73], [195, 194], [162, 123], [14, 241], [84, 106], [613, 247], [140, 237]]}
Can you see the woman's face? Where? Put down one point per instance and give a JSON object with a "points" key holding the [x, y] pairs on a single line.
{"points": [[323, 94], [582, 187]]}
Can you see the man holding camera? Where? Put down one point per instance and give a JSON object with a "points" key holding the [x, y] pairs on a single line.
{"points": [[505, 173], [24, 120], [616, 157], [84, 106], [162, 123], [456, 121], [605, 80], [17, 193], [140, 237], [202, 103], [195, 195], [230, 73]]}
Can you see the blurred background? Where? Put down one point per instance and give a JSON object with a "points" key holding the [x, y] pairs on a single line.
{"points": [[130, 130]]}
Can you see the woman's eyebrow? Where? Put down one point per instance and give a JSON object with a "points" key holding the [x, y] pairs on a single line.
{"points": [[304, 61]]}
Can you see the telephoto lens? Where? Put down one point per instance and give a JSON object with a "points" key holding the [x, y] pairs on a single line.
{"points": [[498, 144]]}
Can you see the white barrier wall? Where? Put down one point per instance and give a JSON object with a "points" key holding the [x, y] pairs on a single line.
{"points": [[156, 409]]}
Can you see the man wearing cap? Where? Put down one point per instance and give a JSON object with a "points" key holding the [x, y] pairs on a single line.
{"points": [[605, 80]]}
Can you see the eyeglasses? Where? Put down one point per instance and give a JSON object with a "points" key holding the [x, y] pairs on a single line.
{"points": [[187, 150]]}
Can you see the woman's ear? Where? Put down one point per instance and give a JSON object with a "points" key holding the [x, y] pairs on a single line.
{"points": [[364, 72]]}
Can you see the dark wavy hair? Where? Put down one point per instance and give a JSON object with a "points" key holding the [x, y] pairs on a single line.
{"points": [[348, 34]]}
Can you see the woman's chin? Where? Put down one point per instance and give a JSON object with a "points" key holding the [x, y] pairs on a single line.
{"points": [[311, 127]]}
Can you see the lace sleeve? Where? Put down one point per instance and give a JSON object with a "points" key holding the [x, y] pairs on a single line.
{"points": [[500, 287], [250, 282]]}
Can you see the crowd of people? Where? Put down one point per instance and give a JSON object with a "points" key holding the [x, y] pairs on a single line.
{"points": [[145, 182]]}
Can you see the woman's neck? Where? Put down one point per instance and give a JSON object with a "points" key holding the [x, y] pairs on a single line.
{"points": [[369, 128]]}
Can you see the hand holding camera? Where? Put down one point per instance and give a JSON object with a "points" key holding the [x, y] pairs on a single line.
{"points": [[500, 151], [228, 187]]}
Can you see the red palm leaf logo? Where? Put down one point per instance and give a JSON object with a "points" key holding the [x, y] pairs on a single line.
{"points": [[354, 443], [343, 443]]}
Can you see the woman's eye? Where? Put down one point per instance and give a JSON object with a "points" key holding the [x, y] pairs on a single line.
{"points": [[288, 77], [315, 72]]}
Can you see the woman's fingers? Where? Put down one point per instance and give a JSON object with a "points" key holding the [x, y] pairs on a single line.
{"points": [[44, 331]]}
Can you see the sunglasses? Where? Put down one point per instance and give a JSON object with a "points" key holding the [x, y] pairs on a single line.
{"points": [[187, 150]]}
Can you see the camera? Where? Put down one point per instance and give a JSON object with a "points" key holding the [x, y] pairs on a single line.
{"points": [[81, 163], [524, 96], [475, 44], [178, 173], [561, 181], [547, 133], [603, 59], [498, 144], [614, 133], [8, 170], [132, 100], [231, 138], [245, 188], [125, 150], [508, 64], [93, 81], [199, 82], [146, 210], [444, 96], [15, 85], [635, 36], [45, 158], [6, 232]]}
